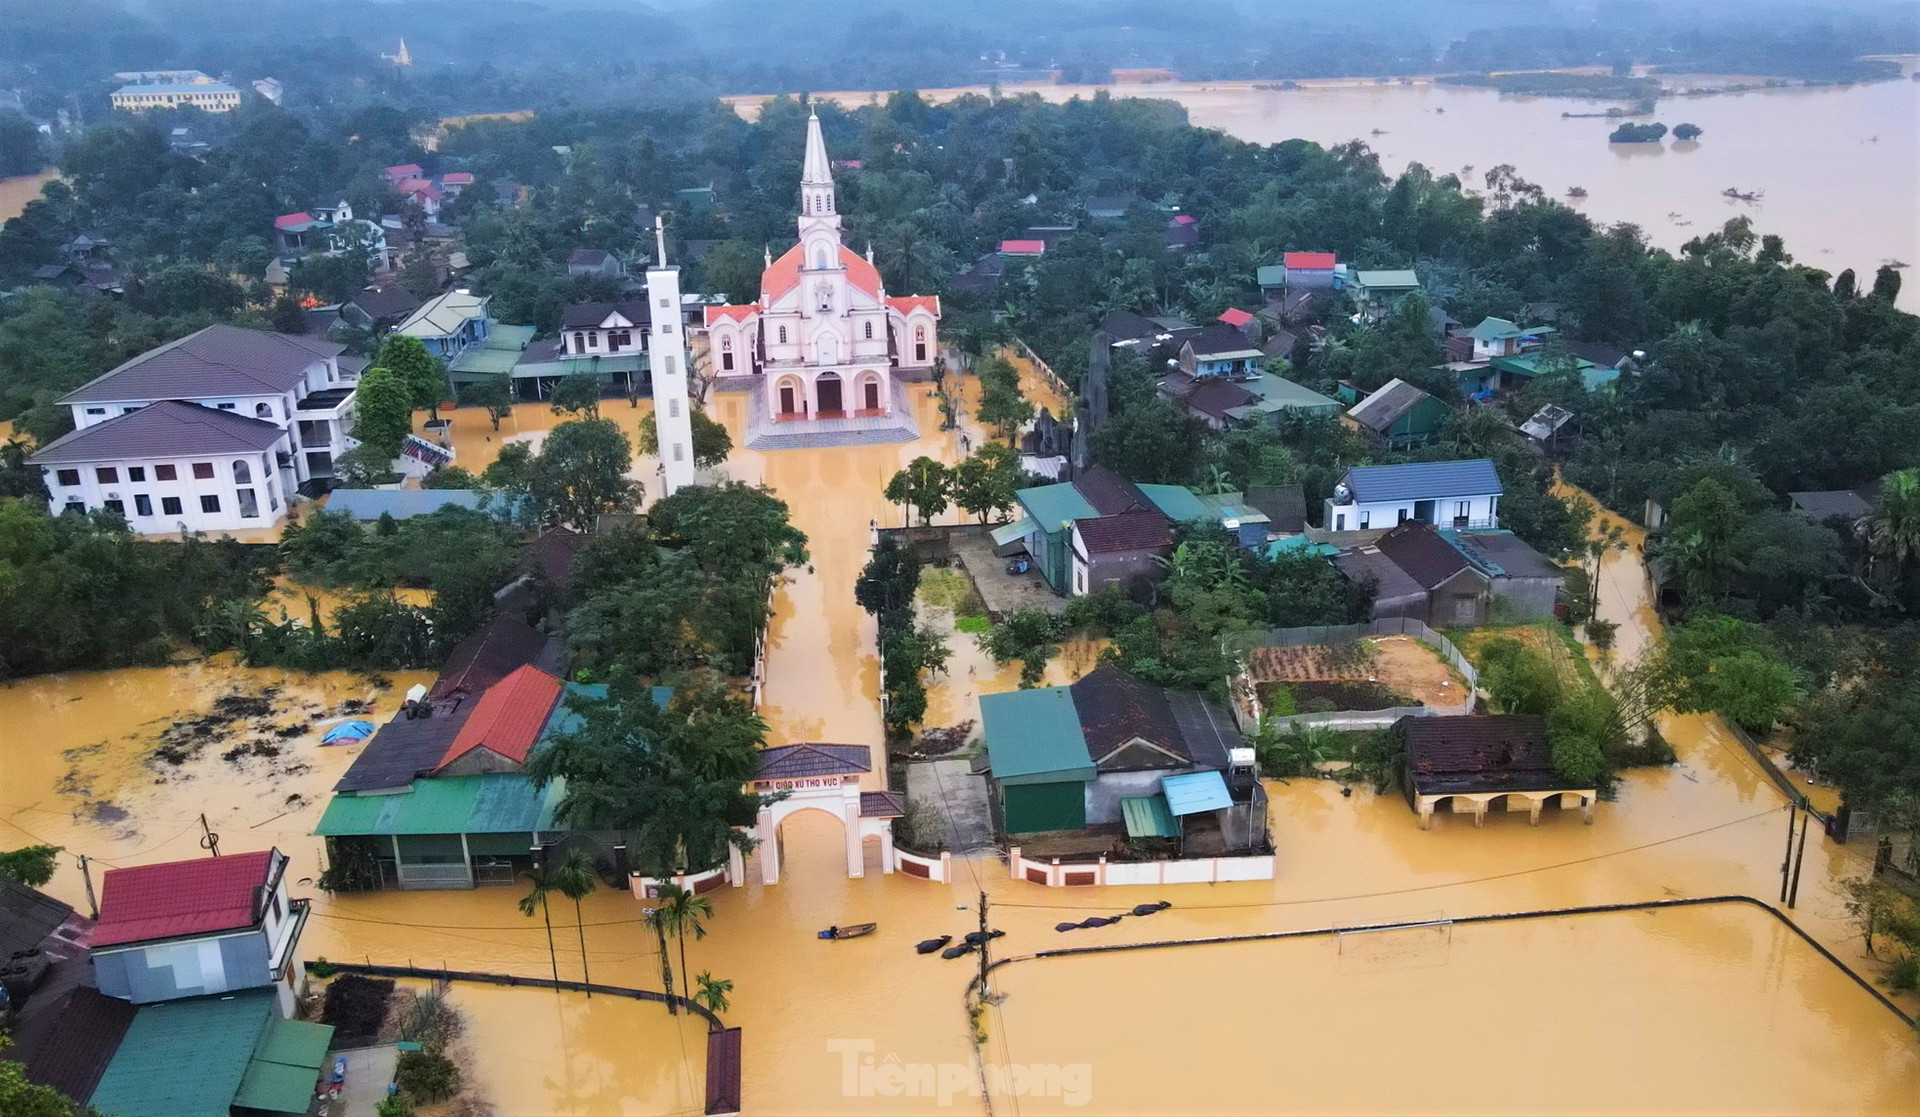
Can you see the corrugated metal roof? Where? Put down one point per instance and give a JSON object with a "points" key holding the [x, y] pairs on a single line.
{"points": [[166, 429], [27, 916], [443, 316], [1310, 261], [1176, 503], [1386, 279], [1033, 736], [501, 803], [1018, 529], [285, 1067], [1195, 793], [1052, 506], [181, 898], [1423, 480], [1284, 394], [220, 360], [1385, 406], [368, 505], [1129, 531], [1270, 275], [1149, 818], [185, 1058], [509, 717]]}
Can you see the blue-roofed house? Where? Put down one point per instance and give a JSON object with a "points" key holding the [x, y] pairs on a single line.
{"points": [[1455, 494], [368, 505]]}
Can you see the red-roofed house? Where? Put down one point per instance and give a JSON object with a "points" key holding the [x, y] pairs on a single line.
{"points": [[1119, 550], [1243, 320], [421, 192], [402, 171], [193, 928], [823, 333], [1309, 271], [504, 726], [453, 182], [1023, 248]]}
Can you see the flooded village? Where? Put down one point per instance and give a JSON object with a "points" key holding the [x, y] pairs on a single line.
{"points": [[1163, 664]]}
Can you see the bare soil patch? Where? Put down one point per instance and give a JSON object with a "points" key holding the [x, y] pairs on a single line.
{"points": [[1385, 666]]}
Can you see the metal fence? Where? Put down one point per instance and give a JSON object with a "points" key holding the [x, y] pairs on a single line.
{"points": [[1246, 704]]}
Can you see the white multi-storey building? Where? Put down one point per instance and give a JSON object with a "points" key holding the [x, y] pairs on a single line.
{"points": [[213, 432]]}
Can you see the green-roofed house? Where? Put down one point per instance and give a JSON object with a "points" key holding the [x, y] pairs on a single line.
{"points": [[1377, 292], [1039, 760], [1047, 513], [492, 360], [219, 1056], [447, 832], [1517, 371]]}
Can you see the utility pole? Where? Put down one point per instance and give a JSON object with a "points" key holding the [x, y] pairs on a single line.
{"points": [[86, 874], [1800, 859], [209, 840], [986, 942], [1786, 861]]}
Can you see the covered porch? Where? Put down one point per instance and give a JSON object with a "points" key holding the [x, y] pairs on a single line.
{"points": [[1480, 803]]}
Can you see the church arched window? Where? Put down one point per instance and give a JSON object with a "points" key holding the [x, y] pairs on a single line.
{"points": [[920, 344], [783, 335], [869, 331], [820, 257], [726, 354]]}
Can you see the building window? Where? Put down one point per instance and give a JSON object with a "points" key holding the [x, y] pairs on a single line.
{"points": [[165, 473], [249, 505], [107, 475], [867, 328], [75, 507], [169, 506], [241, 474], [579, 343], [209, 503], [68, 477], [664, 304], [96, 411], [679, 452], [203, 471], [726, 354], [263, 410], [136, 473], [783, 335], [117, 508], [1365, 519], [667, 365], [673, 409], [142, 504], [920, 344], [226, 406]]}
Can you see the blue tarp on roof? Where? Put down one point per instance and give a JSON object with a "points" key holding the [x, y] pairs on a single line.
{"points": [[1196, 793]]}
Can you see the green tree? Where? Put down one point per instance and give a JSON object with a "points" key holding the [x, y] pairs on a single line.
{"points": [[30, 865], [1580, 729], [383, 413], [1892, 529], [21, 1098], [511, 471], [493, 394], [1518, 679], [576, 879], [1699, 539], [678, 912], [1003, 407], [984, 482], [1031, 636], [711, 442], [581, 473], [713, 992], [541, 882], [925, 485], [422, 372], [577, 393]]}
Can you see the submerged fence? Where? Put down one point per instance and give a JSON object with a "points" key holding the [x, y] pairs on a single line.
{"points": [[1247, 709]]}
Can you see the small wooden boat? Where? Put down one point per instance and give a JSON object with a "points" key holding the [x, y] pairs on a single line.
{"points": [[852, 931]]}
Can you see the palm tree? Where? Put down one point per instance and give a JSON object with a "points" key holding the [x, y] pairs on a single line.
{"points": [[1892, 530], [713, 993], [680, 911], [543, 881], [574, 879]]}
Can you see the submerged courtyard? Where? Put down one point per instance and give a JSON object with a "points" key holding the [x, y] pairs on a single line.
{"points": [[1699, 1009]]}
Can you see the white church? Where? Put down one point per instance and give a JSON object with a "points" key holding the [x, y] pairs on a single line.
{"points": [[825, 340]]}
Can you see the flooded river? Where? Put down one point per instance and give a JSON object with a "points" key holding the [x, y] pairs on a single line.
{"points": [[1838, 167], [1715, 1008], [18, 190]]}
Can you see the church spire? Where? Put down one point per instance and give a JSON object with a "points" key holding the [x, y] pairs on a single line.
{"points": [[817, 171]]}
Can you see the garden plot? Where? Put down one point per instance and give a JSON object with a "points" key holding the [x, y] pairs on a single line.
{"points": [[1374, 673]]}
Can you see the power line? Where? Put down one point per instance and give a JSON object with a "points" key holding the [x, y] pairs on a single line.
{"points": [[1427, 887]]}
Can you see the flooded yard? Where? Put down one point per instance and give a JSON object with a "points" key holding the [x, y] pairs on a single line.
{"points": [[1761, 1024]]}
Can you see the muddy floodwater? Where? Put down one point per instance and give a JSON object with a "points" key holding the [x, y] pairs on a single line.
{"points": [[1800, 148], [17, 190], [1711, 1008]]}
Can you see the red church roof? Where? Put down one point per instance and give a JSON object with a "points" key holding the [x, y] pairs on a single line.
{"points": [[1235, 317], [735, 312], [1308, 261], [509, 716], [196, 897], [1022, 247], [907, 304], [784, 274]]}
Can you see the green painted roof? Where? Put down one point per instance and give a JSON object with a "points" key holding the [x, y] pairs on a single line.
{"points": [[1494, 329], [1290, 543], [185, 1058], [1232, 506], [1280, 394], [500, 803], [1149, 818], [286, 1067], [1051, 506], [1033, 736], [1177, 503], [484, 360], [1271, 275], [632, 361], [1018, 529], [564, 720], [1387, 279]]}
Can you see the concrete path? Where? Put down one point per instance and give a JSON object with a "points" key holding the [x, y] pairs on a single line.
{"points": [[369, 1070], [950, 784]]}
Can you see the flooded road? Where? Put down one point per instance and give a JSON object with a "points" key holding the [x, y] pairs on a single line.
{"points": [[18, 190], [1792, 145], [1548, 1001]]}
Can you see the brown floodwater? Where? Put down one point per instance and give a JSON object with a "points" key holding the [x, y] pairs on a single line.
{"points": [[1796, 146], [16, 191], [1755, 1009]]}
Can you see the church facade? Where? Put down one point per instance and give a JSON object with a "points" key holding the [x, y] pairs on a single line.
{"points": [[825, 336]]}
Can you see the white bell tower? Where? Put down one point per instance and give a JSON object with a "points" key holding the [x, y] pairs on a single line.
{"points": [[667, 357]]}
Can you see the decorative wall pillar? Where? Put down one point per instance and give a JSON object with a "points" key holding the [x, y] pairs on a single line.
{"points": [[850, 816], [736, 866], [769, 847]]}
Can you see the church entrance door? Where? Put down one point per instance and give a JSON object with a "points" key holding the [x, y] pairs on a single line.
{"points": [[873, 395], [828, 388], [786, 399]]}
